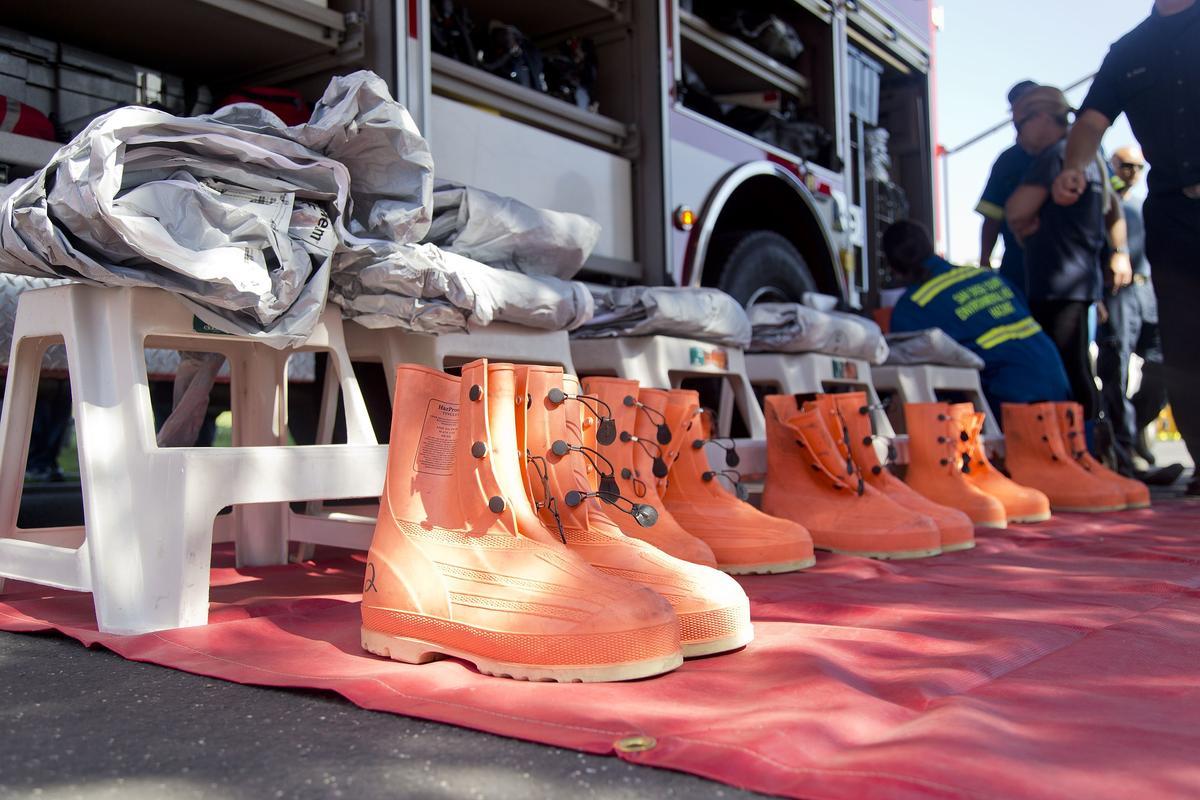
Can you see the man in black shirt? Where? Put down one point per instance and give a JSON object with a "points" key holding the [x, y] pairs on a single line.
{"points": [[1063, 244], [1152, 75]]}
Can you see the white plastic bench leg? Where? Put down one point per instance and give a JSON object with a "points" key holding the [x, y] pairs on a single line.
{"points": [[259, 419], [148, 556]]}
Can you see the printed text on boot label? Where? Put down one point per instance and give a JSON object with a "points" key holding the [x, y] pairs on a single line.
{"points": [[435, 453]]}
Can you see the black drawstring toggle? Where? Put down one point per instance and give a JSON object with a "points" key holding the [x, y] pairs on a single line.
{"points": [[660, 468], [643, 514], [657, 418], [606, 428]]}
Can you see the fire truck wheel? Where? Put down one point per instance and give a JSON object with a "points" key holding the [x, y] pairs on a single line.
{"points": [[764, 267]]}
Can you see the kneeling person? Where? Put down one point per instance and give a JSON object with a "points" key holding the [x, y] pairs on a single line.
{"points": [[980, 310]]}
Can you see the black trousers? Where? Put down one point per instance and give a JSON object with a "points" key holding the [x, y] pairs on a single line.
{"points": [[1132, 327], [1173, 248], [1066, 323]]}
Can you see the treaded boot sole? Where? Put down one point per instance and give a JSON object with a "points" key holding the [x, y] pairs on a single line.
{"points": [[1028, 519], [1088, 509], [885, 555], [1134, 506], [955, 548], [767, 569], [416, 651], [734, 641], [996, 525], [704, 633]]}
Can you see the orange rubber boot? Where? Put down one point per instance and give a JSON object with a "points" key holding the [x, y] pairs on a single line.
{"points": [[458, 568], [1070, 425], [1035, 456], [635, 460], [1021, 503], [848, 418], [713, 611], [744, 540], [935, 465], [810, 482]]}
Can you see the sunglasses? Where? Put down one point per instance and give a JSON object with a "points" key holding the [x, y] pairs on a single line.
{"points": [[1131, 165]]}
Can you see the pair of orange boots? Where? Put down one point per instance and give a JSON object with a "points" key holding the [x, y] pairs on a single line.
{"points": [[823, 471], [947, 464], [493, 545], [1045, 447], [660, 459]]}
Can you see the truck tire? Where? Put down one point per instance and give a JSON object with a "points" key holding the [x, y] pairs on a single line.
{"points": [[763, 266]]}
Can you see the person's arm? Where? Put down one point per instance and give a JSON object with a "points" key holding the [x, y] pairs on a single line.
{"points": [[1119, 267], [1022, 209], [1082, 146], [991, 204], [1103, 104], [989, 232]]}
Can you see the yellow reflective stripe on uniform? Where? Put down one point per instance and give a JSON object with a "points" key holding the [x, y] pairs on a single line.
{"points": [[1004, 333], [990, 210], [932, 288]]}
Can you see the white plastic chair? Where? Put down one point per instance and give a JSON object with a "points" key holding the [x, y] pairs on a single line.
{"points": [[920, 383], [144, 549]]}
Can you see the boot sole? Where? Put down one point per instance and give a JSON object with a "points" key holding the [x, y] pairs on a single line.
{"points": [[885, 555], [956, 548], [1088, 509], [734, 641], [1029, 519], [416, 651], [767, 569], [996, 525], [1133, 506]]}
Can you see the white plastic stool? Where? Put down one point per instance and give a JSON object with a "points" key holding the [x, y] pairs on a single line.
{"points": [[496, 342], [920, 383], [144, 549], [663, 362], [805, 373]]}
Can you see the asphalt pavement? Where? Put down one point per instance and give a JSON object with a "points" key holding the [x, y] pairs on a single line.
{"points": [[80, 723]]}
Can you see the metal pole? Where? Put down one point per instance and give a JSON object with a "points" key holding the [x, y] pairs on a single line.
{"points": [[946, 200]]}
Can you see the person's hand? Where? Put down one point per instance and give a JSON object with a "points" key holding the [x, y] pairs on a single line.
{"points": [[1101, 313], [1068, 186], [1024, 229], [1121, 271]]}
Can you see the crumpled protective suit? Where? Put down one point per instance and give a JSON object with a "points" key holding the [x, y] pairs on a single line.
{"points": [[930, 346], [504, 232], [796, 328], [689, 312], [246, 218]]}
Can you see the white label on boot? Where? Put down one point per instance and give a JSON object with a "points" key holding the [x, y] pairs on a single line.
{"points": [[435, 452]]}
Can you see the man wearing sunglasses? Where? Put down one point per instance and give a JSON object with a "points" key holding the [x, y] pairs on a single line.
{"points": [[1152, 75], [1132, 327]]}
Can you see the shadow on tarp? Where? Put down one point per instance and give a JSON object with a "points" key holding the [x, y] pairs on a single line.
{"points": [[1050, 661]]}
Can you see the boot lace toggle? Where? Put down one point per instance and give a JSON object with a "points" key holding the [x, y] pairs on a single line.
{"points": [[551, 504], [657, 419], [651, 449], [643, 514], [606, 428]]}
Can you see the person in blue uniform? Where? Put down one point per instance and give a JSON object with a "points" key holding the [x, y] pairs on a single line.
{"points": [[1008, 169], [1152, 75], [1064, 246], [980, 310]]}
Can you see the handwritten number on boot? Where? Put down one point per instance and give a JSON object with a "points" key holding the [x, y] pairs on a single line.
{"points": [[369, 586]]}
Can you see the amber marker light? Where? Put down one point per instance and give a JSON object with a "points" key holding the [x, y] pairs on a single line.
{"points": [[685, 218]]}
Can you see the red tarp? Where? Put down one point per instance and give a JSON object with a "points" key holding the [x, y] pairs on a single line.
{"points": [[1060, 660]]}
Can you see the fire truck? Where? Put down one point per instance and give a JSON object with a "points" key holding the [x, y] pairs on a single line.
{"points": [[760, 149]]}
